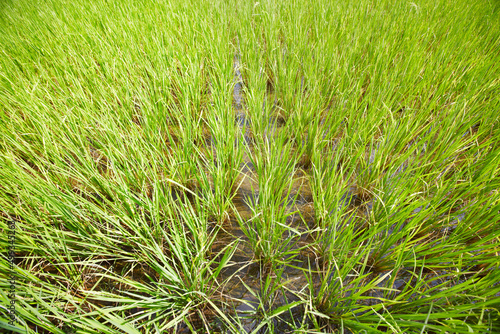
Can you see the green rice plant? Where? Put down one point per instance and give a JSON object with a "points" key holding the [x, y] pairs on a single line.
{"points": [[265, 314], [171, 261], [379, 257], [269, 233], [121, 154], [331, 193], [225, 154]]}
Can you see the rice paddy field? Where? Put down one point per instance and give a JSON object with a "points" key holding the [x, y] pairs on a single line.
{"points": [[250, 167]]}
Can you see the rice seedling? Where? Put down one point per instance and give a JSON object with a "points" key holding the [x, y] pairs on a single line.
{"points": [[262, 167]]}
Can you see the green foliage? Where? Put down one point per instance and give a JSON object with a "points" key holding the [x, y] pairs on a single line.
{"points": [[363, 142]]}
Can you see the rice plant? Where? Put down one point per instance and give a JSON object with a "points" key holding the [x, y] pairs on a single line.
{"points": [[260, 167]]}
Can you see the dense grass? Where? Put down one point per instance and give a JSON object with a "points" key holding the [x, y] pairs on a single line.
{"points": [[365, 147]]}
